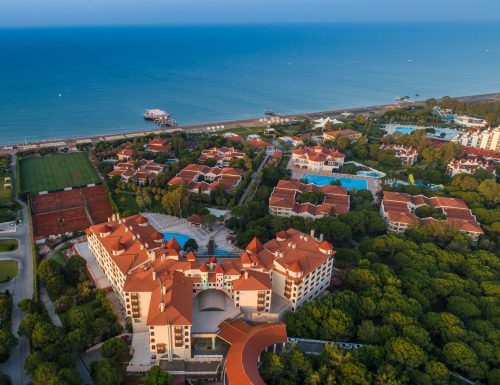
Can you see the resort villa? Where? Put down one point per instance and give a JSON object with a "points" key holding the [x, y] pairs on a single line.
{"points": [[398, 211], [351, 135], [201, 179], [159, 145], [176, 298], [485, 139], [258, 144], [283, 200], [146, 170], [233, 137], [125, 154], [468, 166], [407, 155], [317, 158], [222, 156]]}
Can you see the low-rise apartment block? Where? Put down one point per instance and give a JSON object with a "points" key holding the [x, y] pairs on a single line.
{"points": [[283, 200], [468, 166], [398, 211], [222, 156], [407, 155], [141, 171], [159, 145], [202, 179]]}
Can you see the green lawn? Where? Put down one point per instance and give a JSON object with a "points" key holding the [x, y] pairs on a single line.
{"points": [[56, 172], [126, 203], [8, 245], [8, 270]]}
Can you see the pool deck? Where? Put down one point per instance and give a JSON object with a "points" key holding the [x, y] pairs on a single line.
{"points": [[168, 224], [450, 132], [373, 184]]}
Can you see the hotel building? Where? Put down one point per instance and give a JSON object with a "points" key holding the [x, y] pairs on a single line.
{"points": [[485, 139], [317, 158], [172, 297]]}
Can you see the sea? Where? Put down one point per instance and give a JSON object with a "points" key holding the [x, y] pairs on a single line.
{"points": [[64, 82]]}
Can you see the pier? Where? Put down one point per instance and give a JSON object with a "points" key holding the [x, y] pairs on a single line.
{"points": [[221, 125]]}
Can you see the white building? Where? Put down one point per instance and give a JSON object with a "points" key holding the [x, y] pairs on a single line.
{"points": [[467, 121], [485, 139], [317, 158]]}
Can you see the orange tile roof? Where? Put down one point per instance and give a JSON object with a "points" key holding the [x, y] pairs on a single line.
{"points": [[252, 280]]}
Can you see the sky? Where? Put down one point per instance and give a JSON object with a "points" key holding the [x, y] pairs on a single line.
{"points": [[26, 13]]}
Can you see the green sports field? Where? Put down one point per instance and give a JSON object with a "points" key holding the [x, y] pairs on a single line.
{"points": [[56, 172]]}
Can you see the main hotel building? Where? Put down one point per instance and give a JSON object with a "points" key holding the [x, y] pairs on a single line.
{"points": [[173, 297]]}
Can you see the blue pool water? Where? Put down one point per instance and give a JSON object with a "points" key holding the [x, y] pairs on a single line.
{"points": [[373, 174], [220, 253], [404, 130], [320, 180], [181, 238], [171, 161]]}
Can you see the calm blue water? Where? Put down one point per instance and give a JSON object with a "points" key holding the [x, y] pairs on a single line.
{"points": [[180, 238], [107, 77], [404, 130], [320, 180]]}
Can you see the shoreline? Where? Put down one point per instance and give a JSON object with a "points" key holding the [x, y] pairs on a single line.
{"points": [[226, 125]]}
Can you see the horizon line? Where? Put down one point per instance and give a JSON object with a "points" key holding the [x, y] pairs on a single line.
{"points": [[245, 24]]}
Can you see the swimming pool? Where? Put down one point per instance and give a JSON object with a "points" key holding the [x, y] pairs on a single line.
{"points": [[220, 253], [180, 238], [404, 130], [373, 174], [349, 183]]}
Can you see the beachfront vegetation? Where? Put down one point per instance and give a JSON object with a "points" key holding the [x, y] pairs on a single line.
{"points": [[56, 171], [487, 110]]}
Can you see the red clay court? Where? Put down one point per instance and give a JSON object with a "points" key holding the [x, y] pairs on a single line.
{"points": [[70, 210]]}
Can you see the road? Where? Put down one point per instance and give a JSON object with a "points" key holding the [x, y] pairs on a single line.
{"points": [[21, 287]]}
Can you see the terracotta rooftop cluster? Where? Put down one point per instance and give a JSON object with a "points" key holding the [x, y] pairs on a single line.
{"points": [[147, 170], [222, 156], [405, 153], [203, 179], [286, 193], [159, 145], [400, 208], [468, 166], [317, 153]]}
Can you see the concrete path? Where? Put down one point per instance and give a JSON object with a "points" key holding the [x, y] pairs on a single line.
{"points": [[20, 287], [253, 181]]}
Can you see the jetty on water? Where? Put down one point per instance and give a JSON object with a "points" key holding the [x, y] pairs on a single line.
{"points": [[160, 117]]}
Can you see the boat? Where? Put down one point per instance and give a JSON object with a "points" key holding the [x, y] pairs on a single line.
{"points": [[270, 113]]}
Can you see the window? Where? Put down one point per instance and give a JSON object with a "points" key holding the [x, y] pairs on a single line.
{"points": [[152, 333]]}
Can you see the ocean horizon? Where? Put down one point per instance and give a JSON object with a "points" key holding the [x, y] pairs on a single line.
{"points": [[57, 83]]}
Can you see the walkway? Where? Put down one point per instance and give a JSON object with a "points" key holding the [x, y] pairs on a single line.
{"points": [[20, 287], [253, 180]]}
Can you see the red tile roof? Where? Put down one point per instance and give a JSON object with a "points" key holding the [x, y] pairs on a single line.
{"points": [[247, 343]]}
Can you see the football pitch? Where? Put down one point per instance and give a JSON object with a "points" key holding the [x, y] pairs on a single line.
{"points": [[55, 172]]}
